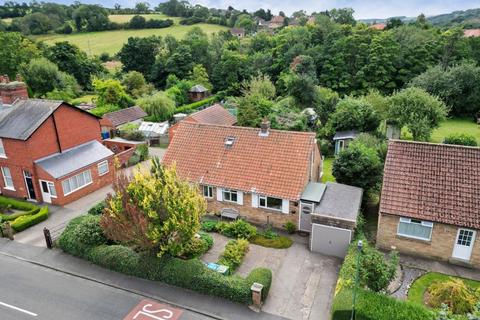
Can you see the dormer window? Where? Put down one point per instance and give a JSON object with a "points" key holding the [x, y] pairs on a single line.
{"points": [[2, 150]]}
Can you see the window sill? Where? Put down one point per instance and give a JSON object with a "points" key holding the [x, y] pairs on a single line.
{"points": [[230, 202], [424, 241], [3, 157], [9, 188], [272, 210], [103, 173]]}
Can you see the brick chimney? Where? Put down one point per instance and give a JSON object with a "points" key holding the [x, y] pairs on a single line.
{"points": [[10, 91], [264, 128]]}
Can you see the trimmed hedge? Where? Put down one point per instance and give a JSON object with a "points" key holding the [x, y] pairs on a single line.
{"points": [[375, 306], [27, 208], [26, 221], [187, 108], [233, 254], [280, 242], [190, 274]]}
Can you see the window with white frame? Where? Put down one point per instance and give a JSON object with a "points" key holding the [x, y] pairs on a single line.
{"points": [[230, 195], [270, 203], [2, 150], [416, 229], [208, 191], [103, 168], [76, 182], [7, 178]]}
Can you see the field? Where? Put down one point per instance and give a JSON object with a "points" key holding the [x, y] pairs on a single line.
{"points": [[96, 43], [327, 170], [456, 126], [122, 18]]}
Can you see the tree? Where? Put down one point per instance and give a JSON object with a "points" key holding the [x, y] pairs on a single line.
{"points": [[156, 212], [180, 62], [343, 16], [417, 110], [354, 114], [393, 23], [159, 106], [230, 71], [257, 101], [359, 166], [137, 22], [90, 18], [142, 7], [199, 75], [327, 100], [462, 139], [70, 59], [135, 84], [138, 54], [111, 92], [43, 76], [15, 50]]}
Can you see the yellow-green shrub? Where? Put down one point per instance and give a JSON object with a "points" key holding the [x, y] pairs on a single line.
{"points": [[455, 293]]}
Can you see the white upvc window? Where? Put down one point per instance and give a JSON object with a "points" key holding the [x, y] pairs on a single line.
{"points": [[270, 203], [103, 168], [414, 228], [207, 191], [7, 178], [2, 150], [230, 195], [76, 182]]}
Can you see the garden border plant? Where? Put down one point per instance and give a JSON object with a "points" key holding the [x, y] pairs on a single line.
{"points": [[83, 238], [29, 215]]}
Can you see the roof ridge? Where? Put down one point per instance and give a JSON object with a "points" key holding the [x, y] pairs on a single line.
{"points": [[245, 128], [456, 146]]}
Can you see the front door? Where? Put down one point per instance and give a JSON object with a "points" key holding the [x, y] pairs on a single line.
{"points": [[29, 183], [464, 244], [306, 210], [48, 191]]}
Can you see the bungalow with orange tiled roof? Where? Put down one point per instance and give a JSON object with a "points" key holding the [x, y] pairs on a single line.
{"points": [[430, 203], [269, 177]]}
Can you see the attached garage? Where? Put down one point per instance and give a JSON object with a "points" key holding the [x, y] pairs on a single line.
{"points": [[329, 212]]}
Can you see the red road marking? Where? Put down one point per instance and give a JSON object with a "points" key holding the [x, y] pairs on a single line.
{"points": [[151, 310]]}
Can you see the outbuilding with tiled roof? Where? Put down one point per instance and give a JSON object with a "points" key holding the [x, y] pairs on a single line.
{"points": [[430, 202]]}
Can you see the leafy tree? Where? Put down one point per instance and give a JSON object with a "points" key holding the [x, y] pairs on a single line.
{"points": [[257, 101], [180, 62], [461, 139], [417, 110], [137, 22], [199, 75], [70, 59], [327, 100], [138, 54], [358, 165], [354, 114], [159, 106], [142, 7], [15, 50], [393, 23], [34, 23], [230, 71], [343, 16], [43, 76], [111, 92], [135, 84], [90, 18], [156, 212]]}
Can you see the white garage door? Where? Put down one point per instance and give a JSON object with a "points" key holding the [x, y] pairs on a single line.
{"points": [[330, 240]]}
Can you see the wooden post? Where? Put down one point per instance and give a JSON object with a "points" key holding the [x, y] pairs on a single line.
{"points": [[48, 238]]}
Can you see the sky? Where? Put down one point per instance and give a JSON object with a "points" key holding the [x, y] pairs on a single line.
{"points": [[364, 9]]}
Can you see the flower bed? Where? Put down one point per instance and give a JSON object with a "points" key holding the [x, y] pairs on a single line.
{"points": [[28, 214], [83, 238]]}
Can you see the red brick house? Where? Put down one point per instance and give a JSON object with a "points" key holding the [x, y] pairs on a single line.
{"points": [[267, 177], [50, 151], [430, 203], [215, 114]]}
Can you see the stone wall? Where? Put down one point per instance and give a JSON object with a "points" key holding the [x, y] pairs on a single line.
{"points": [[440, 247]]}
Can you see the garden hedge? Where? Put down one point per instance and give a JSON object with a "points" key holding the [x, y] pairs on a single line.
{"points": [[190, 274], [26, 221], [187, 108], [26, 208]]}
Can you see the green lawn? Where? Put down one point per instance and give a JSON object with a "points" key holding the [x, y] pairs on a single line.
{"points": [[95, 43], [327, 170], [122, 18], [419, 286], [7, 20], [458, 125]]}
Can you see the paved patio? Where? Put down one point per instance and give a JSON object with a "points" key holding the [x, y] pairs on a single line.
{"points": [[303, 281]]}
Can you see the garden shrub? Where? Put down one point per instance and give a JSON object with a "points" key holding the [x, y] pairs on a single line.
{"points": [[239, 229], [233, 254], [290, 227], [26, 221], [454, 293], [461, 139], [89, 231], [26, 208], [187, 108], [375, 306], [209, 225], [198, 246], [281, 242], [69, 241], [270, 234], [263, 276], [142, 152], [97, 209], [115, 257]]}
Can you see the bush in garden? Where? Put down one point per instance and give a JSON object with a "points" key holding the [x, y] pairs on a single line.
{"points": [[23, 222], [270, 234], [263, 276], [97, 209], [376, 271], [234, 252], [454, 293], [209, 225], [198, 246], [462, 139], [290, 227], [237, 229]]}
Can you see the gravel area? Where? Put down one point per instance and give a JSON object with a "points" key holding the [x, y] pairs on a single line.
{"points": [[409, 275]]}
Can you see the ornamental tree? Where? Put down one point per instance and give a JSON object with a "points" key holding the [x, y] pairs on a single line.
{"points": [[155, 211]]}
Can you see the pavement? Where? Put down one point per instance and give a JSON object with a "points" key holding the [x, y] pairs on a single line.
{"points": [[55, 285], [303, 281], [59, 216]]}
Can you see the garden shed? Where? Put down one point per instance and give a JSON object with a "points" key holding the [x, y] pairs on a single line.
{"points": [[343, 138], [329, 213]]}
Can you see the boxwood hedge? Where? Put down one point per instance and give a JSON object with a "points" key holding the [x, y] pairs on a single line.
{"points": [[190, 274], [26, 208], [26, 221]]}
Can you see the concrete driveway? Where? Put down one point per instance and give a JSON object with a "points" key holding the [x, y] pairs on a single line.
{"points": [[303, 281], [59, 216]]}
